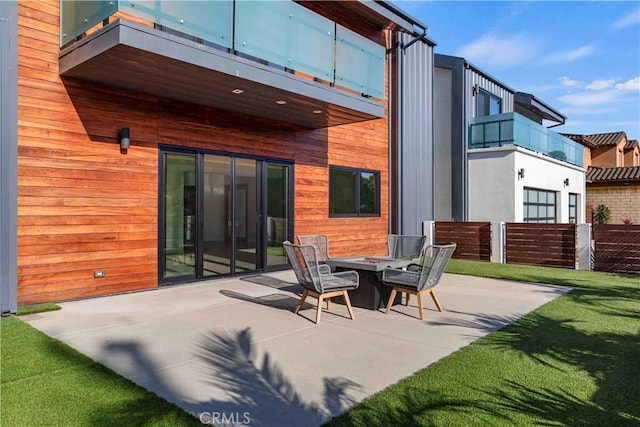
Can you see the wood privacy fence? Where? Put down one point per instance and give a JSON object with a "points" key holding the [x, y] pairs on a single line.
{"points": [[552, 245], [617, 248], [473, 239]]}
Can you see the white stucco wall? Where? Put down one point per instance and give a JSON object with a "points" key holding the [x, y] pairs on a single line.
{"points": [[496, 192]]}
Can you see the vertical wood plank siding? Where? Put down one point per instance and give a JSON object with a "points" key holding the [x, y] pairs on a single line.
{"points": [[617, 248], [552, 245], [473, 239], [83, 206]]}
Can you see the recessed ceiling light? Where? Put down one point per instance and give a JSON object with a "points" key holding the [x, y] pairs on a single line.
{"points": [[317, 111], [281, 102], [237, 91]]}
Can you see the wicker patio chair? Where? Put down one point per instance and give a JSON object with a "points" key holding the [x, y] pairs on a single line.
{"points": [[420, 279], [318, 241], [405, 246], [317, 280]]}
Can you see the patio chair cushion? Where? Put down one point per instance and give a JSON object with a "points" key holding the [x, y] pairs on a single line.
{"points": [[346, 281]]}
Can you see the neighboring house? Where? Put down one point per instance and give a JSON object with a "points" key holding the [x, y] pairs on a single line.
{"points": [[613, 175], [494, 158], [632, 153], [153, 143], [605, 149], [616, 188]]}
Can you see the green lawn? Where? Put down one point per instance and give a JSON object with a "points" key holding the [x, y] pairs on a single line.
{"points": [[44, 382], [575, 361]]}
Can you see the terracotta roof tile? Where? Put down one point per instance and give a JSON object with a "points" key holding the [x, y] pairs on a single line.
{"points": [[624, 174], [580, 139], [631, 145], [611, 138]]}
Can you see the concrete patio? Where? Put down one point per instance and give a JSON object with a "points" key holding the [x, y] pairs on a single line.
{"points": [[233, 349]]}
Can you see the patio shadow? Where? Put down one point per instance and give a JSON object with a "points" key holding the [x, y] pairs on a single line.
{"points": [[258, 388], [273, 282], [274, 300]]}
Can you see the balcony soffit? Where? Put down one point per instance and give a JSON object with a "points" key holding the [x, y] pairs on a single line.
{"points": [[127, 55]]}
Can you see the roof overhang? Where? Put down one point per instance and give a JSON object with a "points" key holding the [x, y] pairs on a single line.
{"points": [[545, 111], [127, 55]]}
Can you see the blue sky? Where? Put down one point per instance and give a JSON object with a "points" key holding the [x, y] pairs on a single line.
{"points": [[581, 58]]}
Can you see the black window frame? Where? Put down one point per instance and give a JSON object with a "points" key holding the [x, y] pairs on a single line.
{"points": [[484, 97], [528, 202], [573, 204], [357, 195]]}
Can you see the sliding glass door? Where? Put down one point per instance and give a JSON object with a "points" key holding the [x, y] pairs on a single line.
{"points": [[278, 210], [223, 215], [179, 215]]}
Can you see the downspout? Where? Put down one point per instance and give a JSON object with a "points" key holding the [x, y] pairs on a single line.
{"points": [[8, 156], [395, 131], [418, 37], [465, 144], [557, 124]]}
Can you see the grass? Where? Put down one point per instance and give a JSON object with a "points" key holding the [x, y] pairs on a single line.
{"points": [[46, 382], [37, 308], [575, 361]]}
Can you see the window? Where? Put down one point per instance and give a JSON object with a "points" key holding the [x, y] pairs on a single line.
{"points": [[487, 104], [539, 205], [353, 192], [620, 159], [573, 208]]}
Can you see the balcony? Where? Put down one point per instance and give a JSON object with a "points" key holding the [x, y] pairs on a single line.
{"points": [[513, 129], [275, 60]]}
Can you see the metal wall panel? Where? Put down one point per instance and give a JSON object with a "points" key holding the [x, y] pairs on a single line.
{"points": [[473, 78], [8, 154], [414, 135]]}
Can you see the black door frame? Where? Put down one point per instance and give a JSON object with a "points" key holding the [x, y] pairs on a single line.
{"points": [[261, 229]]}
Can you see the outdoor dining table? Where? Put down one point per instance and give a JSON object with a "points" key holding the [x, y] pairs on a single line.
{"points": [[371, 293]]}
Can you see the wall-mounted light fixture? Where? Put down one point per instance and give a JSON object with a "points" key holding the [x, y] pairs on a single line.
{"points": [[521, 173], [124, 139], [566, 182]]}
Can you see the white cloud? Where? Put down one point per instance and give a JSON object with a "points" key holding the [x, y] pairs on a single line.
{"points": [[601, 92], [568, 55], [633, 84], [598, 92], [600, 84], [567, 82], [497, 51], [627, 21], [585, 99]]}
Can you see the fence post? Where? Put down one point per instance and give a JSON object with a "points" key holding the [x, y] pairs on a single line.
{"points": [[497, 242], [584, 246], [429, 230]]}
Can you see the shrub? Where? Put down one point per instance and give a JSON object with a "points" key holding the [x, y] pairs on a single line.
{"points": [[627, 221], [602, 214]]}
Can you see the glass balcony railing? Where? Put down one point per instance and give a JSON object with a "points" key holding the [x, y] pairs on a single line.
{"points": [[279, 33], [513, 129]]}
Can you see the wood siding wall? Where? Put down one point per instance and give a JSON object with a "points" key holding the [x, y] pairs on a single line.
{"points": [[83, 205], [552, 245], [617, 248], [473, 239]]}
